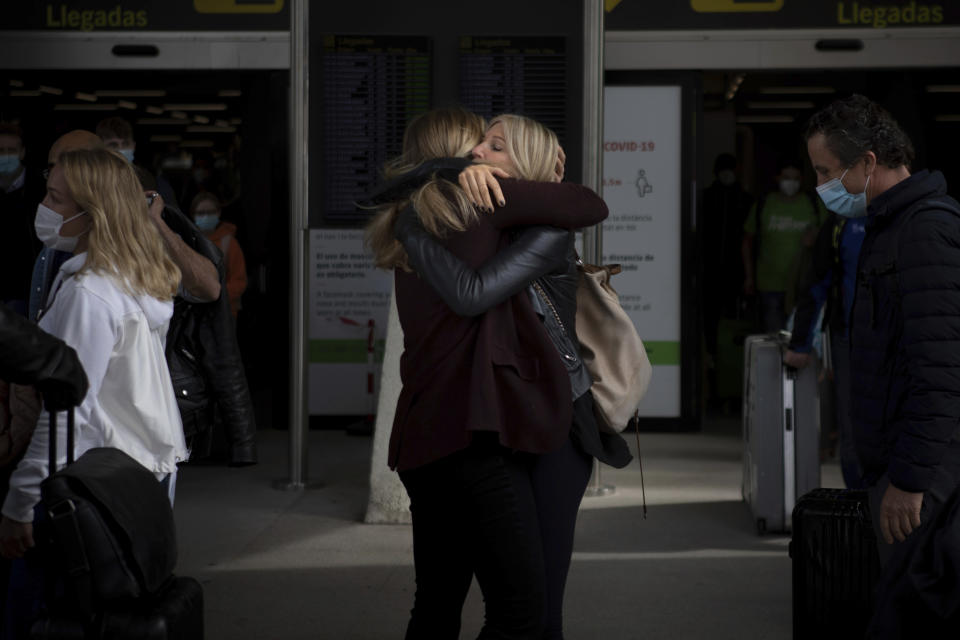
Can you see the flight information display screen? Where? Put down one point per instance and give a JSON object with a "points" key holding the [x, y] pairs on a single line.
{"points": [[522, 75], [371, 87]]}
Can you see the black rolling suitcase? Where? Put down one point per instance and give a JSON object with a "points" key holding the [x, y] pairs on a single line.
{"points": [[835, 564], [176, 612], [109, 546]]}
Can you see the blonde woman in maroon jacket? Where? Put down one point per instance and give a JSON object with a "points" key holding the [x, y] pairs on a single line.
{"points": [[480, 393]]}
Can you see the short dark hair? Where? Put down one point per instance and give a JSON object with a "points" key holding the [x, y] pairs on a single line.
{"points": [[114, 127], [852, 126], [203, 196], [725, 162], [10, 129]]}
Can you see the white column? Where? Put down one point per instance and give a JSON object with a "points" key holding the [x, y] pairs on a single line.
{"points": [[388, 502]]}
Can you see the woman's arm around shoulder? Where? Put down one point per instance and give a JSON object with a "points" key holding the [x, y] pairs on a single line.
{"points": [[560, 204]]}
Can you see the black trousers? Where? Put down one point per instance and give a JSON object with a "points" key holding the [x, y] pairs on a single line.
{"points": [[559, 479], [507, 518]]}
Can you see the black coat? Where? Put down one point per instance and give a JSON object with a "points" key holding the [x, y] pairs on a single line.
{"points": [[30, 355], [204, 358], [905, 339], [19, 245]]}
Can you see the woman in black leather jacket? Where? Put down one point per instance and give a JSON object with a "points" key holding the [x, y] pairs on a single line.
{"points": [[524, 149]]}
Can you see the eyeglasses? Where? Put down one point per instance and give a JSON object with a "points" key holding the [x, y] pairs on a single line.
{"points": [[206, 212]]}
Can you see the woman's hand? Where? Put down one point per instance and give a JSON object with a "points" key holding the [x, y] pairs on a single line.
{"points": [[559, 169], [15, 538], [480, 183]]}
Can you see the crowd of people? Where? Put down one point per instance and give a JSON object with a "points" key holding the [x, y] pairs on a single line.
{"points": [[139, 297], [494, 433]]}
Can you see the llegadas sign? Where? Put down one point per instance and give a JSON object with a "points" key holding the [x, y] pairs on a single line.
{"points": [[638, 15], [144, 15]]}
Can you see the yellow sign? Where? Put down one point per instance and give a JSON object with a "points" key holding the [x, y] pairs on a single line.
{"points": [[238, 6], [735, 6], [610, 5]]}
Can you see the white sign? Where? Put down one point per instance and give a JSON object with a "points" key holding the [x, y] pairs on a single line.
{"points": [[642, 188], [345, 350]]}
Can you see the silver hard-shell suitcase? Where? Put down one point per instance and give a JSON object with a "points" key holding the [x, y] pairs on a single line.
{"points": [[781, 432]]}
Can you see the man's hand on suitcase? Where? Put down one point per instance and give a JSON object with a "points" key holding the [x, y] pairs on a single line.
{"points": [[899, 513], [15, 538], [796, 359]]}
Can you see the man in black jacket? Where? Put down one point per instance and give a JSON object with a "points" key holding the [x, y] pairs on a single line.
{"points": [[905, 339]]}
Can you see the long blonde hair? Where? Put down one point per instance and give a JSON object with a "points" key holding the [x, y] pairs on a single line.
{"points": [[441, 205], [123, 242], [532, 146]]}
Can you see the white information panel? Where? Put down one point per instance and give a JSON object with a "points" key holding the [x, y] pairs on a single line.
{"points": [[345, 351], [642, 188]]}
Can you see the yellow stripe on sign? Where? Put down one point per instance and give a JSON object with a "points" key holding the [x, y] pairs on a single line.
{"points": [[237, 6], [610, 5], [735, 6]]}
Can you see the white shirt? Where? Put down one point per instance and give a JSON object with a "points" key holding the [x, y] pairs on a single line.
{"points": [[130, 405]]}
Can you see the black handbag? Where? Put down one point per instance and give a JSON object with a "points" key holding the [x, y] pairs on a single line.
{"points": [[110, 532]]}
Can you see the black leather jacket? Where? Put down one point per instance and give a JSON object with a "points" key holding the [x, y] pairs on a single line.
{"points": [[29, 355], [204, 358]]}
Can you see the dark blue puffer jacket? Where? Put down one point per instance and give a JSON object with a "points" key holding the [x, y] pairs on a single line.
{"points": [[905, 342]]}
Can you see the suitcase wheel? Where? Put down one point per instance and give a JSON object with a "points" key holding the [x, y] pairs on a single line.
{"points": [[761, 526]]}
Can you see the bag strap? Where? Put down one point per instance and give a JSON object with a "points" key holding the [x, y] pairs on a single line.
{"points": [[643, 490]]}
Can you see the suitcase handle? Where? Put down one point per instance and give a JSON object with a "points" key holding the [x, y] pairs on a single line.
{"points": [[53, 439]]}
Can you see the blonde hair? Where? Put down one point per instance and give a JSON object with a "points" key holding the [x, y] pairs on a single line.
{"points": [[441, 205], [532, 146], [123, 242]]}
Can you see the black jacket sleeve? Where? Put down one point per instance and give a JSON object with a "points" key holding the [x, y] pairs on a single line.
{"points": [[29, 355], [468, 292]]}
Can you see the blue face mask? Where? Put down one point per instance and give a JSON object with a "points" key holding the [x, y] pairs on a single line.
{"points": [[836, 198], [207, 222], [9, 163], [126, 153]]}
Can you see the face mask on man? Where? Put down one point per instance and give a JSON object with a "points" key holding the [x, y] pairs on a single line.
{"points": [[726, 177], [789, 186], [126, 153], [9, 163], [47, 225], [836, 198]]}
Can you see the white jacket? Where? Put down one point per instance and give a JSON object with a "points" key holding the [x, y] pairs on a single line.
{"points": [[130, 405]]}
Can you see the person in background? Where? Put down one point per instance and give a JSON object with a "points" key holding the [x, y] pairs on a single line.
{"points": [[205, 211], [772, 242], [20, 191], [725, 207], [831, 279], [117, 134]]}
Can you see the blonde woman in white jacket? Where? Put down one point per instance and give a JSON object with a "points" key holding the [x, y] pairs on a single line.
{"points": [[112, 302]]}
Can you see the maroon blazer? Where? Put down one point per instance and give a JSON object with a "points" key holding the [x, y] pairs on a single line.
{"points": [[495, 372]]}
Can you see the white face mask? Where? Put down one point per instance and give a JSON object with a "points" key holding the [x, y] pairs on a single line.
{"points": [[726, 177], [789, 186], [47, 225]]}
